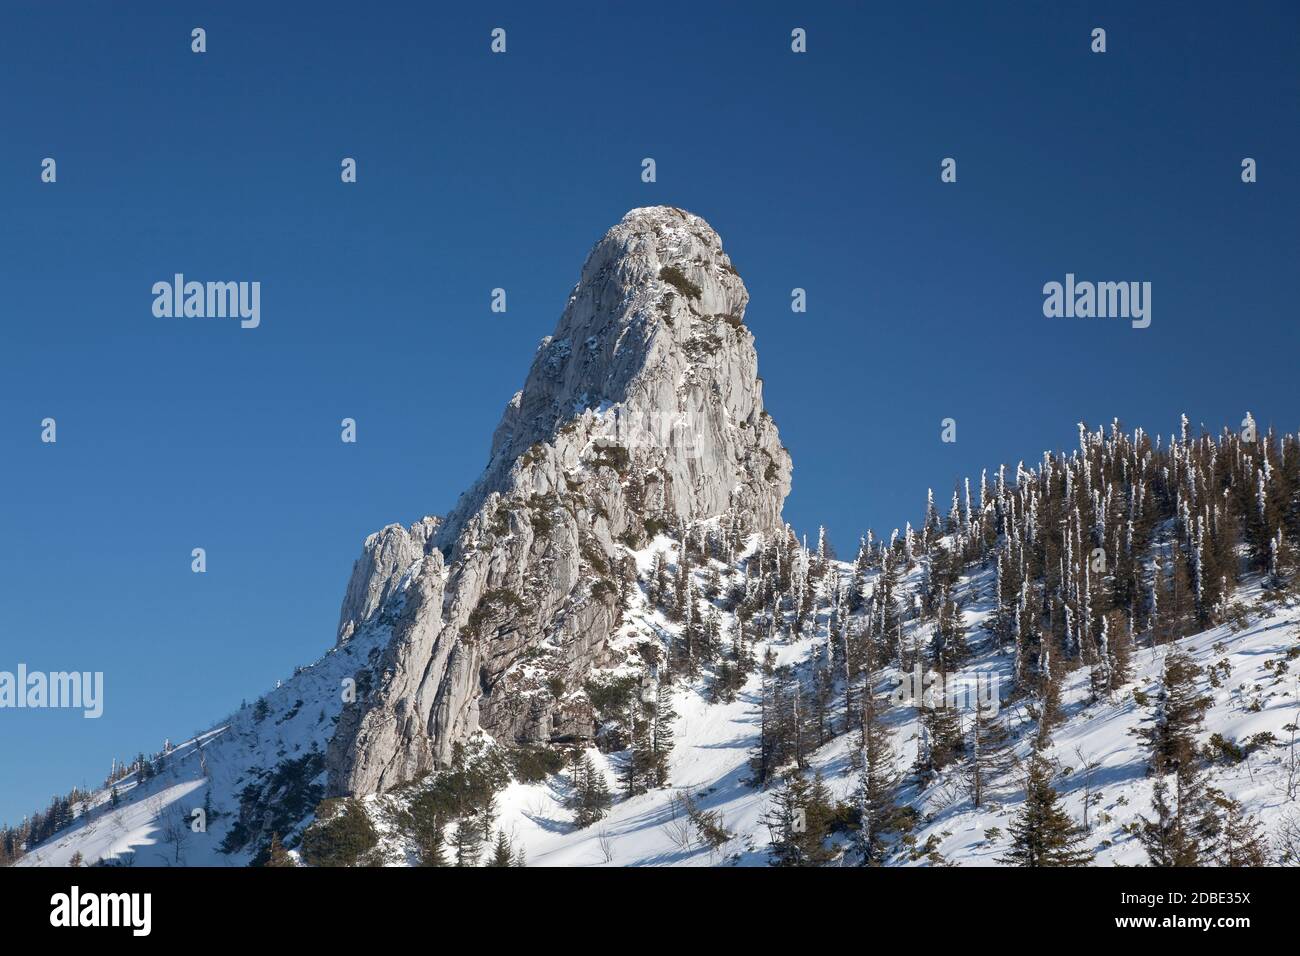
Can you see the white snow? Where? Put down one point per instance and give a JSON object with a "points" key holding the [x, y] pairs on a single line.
{"points": [[715, 741]]}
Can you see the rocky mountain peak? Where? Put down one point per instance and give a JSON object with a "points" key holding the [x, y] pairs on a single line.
{"points": [[642, 411], [651, 350]]}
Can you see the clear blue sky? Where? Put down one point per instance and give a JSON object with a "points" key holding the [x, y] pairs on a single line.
{"points": [[476, 171]]}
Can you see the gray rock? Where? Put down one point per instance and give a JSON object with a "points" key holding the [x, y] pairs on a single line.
{"points": [[386, 556], [643, 405]]}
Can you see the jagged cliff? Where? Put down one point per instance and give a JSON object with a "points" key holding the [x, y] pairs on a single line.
{"points": [[644, 409]]}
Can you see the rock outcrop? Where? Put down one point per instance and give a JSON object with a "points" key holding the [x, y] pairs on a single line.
{"points": [[643, 411], [376, 576]]}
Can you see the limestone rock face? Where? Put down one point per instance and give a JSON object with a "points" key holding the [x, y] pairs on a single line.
{"points": [[385, 558], [643, 410]]}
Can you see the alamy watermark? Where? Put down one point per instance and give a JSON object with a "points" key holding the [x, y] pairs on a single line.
{"points": [[75, 908], [658, 431], [956, 691], [1098, 300], [209, 300], [57, 689]]}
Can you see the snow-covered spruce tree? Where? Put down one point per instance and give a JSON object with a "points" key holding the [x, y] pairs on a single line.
{"points": [[710, 635], [944, 743], [783, 731], [949, 649], [1183, 811], [887, 612], [877, 793], [735, 663], [1113, 668], [990, 754], [1177, 600], [681, 586], [1182, 823], [487, 815], [766, 756], [659, 586], [857, 586], [689, 646], [821, 699], [1046, 709], [712, 584]]}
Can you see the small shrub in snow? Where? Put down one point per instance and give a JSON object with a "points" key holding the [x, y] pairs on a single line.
{"points": [[535, 764], [341, 836]]}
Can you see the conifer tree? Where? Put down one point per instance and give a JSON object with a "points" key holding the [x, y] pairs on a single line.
{"points": [[711, 635], [1173, 838], [659, 584], [1184, 817], [1047, 710], [857, 587], [990, 754], [888, 616], [1177, 598], [681, 586], [943, 735], [1111, 669], [590, 800], [465, 842], [661, 735], [876, 796], [823, 691], [1042, 833], [931, 513], [1179, 710], [740, 655], [949, 648], [487, 813], [691, 641], [765, 760], [636, 773], [713, 584], [429, 842], [501, 854], [277, 855], [798, 822], [1239, 841]]}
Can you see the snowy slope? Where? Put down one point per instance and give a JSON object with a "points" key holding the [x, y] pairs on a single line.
{"points": [[153, 822], [715, 741], [713, 746]]}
